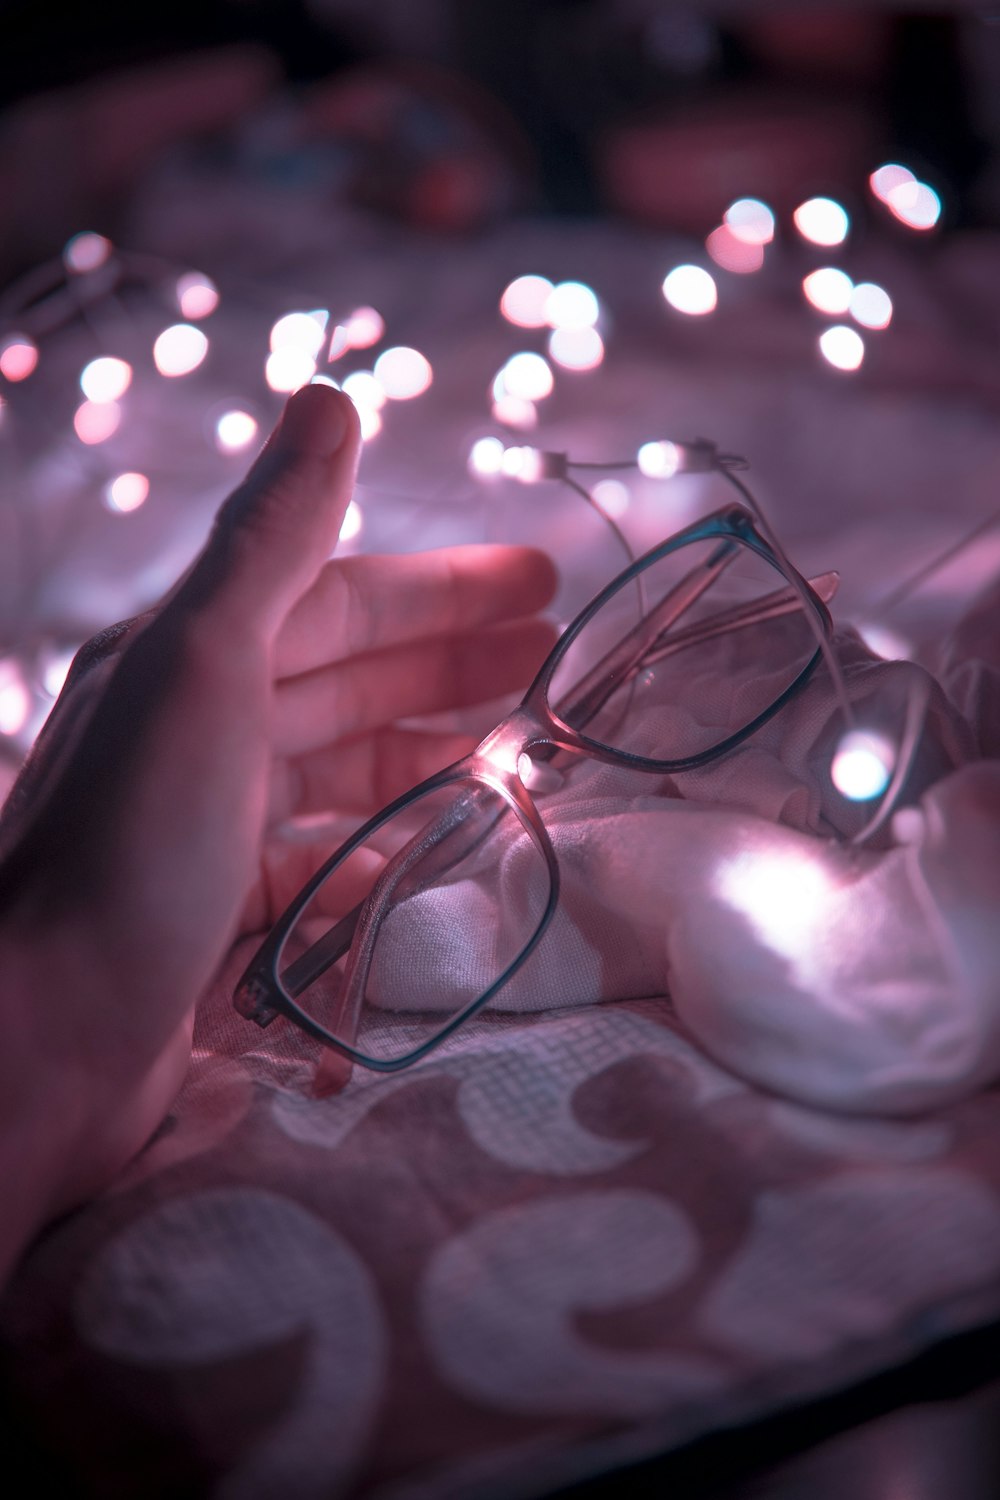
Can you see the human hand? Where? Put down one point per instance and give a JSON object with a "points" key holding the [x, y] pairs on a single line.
{"points": [[135, 843]]}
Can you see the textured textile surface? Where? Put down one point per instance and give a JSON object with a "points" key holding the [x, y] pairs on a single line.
{"points": [[596, 1224]]}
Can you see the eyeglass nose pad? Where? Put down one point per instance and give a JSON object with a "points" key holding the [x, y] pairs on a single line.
{"points": [[539, 776]]}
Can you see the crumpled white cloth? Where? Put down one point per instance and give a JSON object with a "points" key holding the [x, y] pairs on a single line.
{"points": [[855, 979]]}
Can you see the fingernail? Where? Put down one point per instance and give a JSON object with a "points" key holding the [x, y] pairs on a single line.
{"points": [[314, 421]]}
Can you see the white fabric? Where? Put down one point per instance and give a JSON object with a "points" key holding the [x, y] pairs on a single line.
{"points": [[854, 979]]}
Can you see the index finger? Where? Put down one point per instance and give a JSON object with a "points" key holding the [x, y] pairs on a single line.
{"points": [[362, 604]]}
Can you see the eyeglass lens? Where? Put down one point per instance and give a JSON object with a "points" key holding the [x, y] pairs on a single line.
{"points": [[418, 922]]}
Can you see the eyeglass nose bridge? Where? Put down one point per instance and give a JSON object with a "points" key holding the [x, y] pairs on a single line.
{"points": [[522, 732]]}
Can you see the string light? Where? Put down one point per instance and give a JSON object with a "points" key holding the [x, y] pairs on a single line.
{"points": [[733, 253], [289, 367], [127, 492], [86, 251], [526, 375], [886, 178], [363, 328], [914, 204], [18, 357], [364, 389], [842, 347], [612, 496], [486, 457], [829, 290], [822, 221], [339, 343], [871, 305], [197, 296], [514, 411], [576, 348], [691, 290], [403, 373], [370, 422], [55, 669], [353, 520], [659, 460], [571, 304], [524, 300], [15, 699], [300, 330], [750, 220], [105, 379], [179, 349], [94, 422], [862, 765], [235, 430]]}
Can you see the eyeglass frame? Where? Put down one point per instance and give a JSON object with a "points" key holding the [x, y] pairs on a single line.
{"points": [[260, 994]]}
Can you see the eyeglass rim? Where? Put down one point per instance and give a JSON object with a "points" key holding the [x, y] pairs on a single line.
{"points": [[263, 1003], [734, 520]]}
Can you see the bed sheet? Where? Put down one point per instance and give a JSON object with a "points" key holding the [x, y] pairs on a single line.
{"points": [[569, 1239]]}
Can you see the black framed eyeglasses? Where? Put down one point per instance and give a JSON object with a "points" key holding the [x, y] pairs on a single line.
{"points": [[428, 910]]}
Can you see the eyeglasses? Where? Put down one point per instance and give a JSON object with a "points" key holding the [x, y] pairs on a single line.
{"points": [[428, 910]]}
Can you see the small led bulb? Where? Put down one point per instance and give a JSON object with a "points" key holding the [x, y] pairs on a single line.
{"points": [[862, 765]]}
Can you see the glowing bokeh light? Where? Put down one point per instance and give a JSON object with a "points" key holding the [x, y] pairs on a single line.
{"points": [[486, 456], [862, 765], [829, 290], [522, 463], [325, 380], [571, 304], [885, 642], [339, 343], [612, 496], [659, 460], [370, 422], [15, 699], [403, 373], [364, 389], [523, 301], [127, 492], [740, 256], [528, 376], [197, 295], [750, 220], [890, 175], [364, 328], [512, 411], [96, 421], [288, 368], [691, 290], [353, 520], [56, 670], [179, 349], [576, 348], [822, 221], [235, 430], [18, 357], [86, 251], [871, 305], [300, 330], [842, 347], [914, 204], [786, 897], [105, 379]]}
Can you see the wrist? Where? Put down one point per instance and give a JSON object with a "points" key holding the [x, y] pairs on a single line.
{"points": [[40, 1119]]}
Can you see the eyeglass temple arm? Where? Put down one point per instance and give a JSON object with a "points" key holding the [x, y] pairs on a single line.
{"points": [[592, 691], [769, 607]]}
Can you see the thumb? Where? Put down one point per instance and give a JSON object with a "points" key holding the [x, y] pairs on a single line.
{"points": [[277, 529]]}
